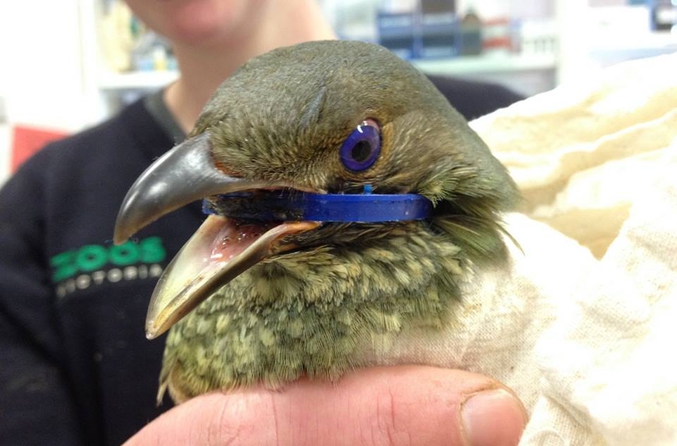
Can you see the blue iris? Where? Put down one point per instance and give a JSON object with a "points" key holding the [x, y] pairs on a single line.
{"points": [[361, 149]]}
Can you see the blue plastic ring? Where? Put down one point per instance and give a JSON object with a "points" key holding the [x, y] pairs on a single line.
{"points": [[346, 208]]}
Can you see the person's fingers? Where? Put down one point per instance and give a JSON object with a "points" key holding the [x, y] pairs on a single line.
{"points": [[405, 405]]}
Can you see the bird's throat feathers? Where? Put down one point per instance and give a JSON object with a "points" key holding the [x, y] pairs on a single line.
{"points": [[316, 312]]}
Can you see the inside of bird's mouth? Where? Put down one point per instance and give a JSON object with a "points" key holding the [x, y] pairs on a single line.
{"points": [[221, 249], [246, 217]]}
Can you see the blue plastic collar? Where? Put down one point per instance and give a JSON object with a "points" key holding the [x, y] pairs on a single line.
{"points": [[340, 208]]}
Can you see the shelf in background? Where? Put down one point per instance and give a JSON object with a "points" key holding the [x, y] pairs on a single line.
{"points": [[499, 63], [136, 80], [496, 63], [609, 50]]}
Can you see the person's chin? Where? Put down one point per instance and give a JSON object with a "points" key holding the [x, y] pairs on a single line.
{"points": [[204, 22]]}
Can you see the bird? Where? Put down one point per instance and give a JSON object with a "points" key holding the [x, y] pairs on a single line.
{"points": [[269, 290]]}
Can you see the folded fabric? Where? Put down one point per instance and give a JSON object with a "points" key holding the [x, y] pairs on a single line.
{"points": [[582, 325]]}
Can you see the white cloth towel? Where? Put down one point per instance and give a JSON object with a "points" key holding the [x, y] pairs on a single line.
{"points": [[584, 324]]}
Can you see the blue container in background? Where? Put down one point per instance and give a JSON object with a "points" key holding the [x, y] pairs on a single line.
{"points": [[396, 32], [439, 35]]}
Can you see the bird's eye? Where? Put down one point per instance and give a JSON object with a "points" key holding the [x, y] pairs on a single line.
{"points": [[361, 149]]}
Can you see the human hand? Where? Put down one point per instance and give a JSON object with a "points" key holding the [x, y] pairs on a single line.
{"points": [[403, 405]]}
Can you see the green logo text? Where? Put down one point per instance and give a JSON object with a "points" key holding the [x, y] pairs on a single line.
{"points": [[94, 257]]}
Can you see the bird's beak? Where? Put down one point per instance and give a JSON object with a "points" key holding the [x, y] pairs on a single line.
{"points": [[219, 251], [183, 175]]}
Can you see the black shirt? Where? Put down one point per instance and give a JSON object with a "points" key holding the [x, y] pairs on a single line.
{"points": [[76, 366]]}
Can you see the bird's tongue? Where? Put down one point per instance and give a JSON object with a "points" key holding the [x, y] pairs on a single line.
{"points": [[220, 250], [230, 239]]}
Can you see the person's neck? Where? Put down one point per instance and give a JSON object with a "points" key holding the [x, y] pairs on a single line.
{"points": [[203, 68]]}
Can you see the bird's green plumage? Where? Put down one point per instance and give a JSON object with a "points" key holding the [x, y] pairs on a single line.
{"points": [[317, 312], [349, 288]]}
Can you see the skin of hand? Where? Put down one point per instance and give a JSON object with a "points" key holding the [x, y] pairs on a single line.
{"points": [[404, 405]]}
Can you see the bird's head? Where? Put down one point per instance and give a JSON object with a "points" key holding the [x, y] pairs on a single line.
{"points": [[284, 152]]}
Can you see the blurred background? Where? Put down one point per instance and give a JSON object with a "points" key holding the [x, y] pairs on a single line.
{"points": [[69, 64]]}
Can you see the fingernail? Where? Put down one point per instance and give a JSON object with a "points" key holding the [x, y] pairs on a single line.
{"points": [[493, 418]]}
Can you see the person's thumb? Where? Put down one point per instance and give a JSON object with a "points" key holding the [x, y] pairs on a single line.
{"points": [[405, 405]]}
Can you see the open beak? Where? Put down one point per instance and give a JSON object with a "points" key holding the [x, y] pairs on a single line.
{"points": [[219, 251]]}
